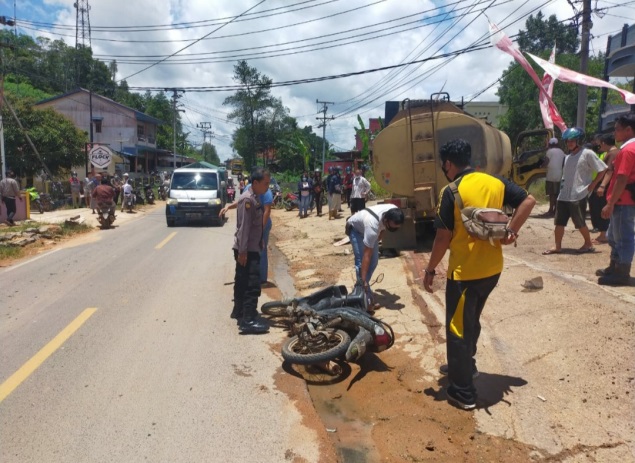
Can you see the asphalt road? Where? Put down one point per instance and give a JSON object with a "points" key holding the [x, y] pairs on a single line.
{"points": [[120, 348]]}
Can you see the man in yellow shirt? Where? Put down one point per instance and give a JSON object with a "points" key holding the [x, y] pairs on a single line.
{"points": [[475, 265]]}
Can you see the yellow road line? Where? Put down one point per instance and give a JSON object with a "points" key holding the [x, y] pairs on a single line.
{"points": [[165, 241], [38, 359]]}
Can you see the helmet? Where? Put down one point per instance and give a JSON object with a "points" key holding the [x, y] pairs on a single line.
{"points": [[348, 169], [73, 174], [165, 172], [553, 141], [126, 174], [331, 169], [318, 170], [573, 133]]}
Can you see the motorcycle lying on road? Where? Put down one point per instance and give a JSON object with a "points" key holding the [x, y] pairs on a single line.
{"points": [[106, 214], [330, 324]]}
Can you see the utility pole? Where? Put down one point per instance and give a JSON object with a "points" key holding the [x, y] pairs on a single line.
{"points": [[206, 128], [323, 125], [175, 98], [584, 61], [3, 160]]}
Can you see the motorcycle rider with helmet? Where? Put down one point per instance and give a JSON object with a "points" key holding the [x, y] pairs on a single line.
{"points": [[577, 184], [104, 194]]}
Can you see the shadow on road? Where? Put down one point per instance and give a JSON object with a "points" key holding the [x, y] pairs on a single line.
{"points": [[491, 388]]}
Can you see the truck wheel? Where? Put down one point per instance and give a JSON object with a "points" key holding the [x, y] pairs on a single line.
{"points": [[171, 222]]}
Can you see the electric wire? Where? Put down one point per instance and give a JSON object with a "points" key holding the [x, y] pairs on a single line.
{"points": [[183, 25], [398, 81], [187, 46]]}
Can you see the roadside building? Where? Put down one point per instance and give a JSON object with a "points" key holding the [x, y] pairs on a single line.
{"points": [[129, 133]]}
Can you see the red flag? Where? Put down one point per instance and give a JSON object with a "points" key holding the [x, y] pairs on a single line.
{"points": [[567, 75], [549, 110]]}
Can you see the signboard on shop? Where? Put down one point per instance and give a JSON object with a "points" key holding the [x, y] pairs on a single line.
{"points": [[100, 156]]}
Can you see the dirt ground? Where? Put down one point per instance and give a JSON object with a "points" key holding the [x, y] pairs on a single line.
{"points": [[557, 365]]}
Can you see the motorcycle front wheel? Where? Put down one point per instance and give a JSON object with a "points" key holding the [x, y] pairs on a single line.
{"points": [[274, 308], [321, 349], [288, 205]]}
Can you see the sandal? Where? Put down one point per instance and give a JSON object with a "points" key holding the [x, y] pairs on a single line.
{"points": [[548, 252]]}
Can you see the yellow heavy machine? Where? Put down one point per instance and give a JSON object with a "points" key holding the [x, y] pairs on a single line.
{"points": [[406, 159]]}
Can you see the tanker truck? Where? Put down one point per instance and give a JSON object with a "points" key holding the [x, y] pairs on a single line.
{"points": [[406, 161]]}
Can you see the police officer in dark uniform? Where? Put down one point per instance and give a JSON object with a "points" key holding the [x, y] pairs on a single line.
{"points": [[247, 247]]}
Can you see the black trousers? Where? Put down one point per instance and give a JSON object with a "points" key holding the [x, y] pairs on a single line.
{"points": [[318, 201], [247, 286], [347, 193], [10, 204], [357, 204], [464, 302], [596, 203]]}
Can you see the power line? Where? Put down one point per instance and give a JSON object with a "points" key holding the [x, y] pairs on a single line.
{"points": [[183, 25], [188, 46]]}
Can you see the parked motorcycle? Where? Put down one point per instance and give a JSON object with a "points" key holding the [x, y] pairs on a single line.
{"points": [[278, 202], [163, 191], [129, 201], [148, 193], [34, 197], [291, 201], [323, 323], [106, 215], [138, 198]]}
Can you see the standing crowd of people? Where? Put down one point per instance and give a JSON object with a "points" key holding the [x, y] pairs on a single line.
{"points": [[601, 177]]}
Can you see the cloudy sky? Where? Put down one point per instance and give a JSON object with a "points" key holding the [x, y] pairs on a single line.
{"points": [[302, 39]]}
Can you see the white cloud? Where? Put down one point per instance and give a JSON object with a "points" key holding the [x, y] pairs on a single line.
{"points": [[462, 77]]}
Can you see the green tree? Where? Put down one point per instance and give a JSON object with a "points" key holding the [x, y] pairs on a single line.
{"points": [[541, 34], [519, 93], [209, 154], [59, 142], [250, 104]]}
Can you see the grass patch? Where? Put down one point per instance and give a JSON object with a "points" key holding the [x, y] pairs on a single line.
{"points": [[537, 190], [9, 252], [17, 252]]}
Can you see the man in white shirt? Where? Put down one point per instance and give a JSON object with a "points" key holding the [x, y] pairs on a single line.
{"points": [[554, 162], [577, 183], [361, 187], [366, 228]]}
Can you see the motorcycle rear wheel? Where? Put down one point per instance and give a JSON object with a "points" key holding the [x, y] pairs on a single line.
{"points": [[288, 205], [294, 350], [274, 309]]}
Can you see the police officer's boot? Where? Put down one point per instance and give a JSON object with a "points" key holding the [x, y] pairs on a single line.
{"points": [[237, 314], [608, 270], [621, 276], [253, 325]]}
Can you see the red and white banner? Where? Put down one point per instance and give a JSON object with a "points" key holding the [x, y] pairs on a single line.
{"points": [[550, 114], [547, 84], [567, 75]]}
